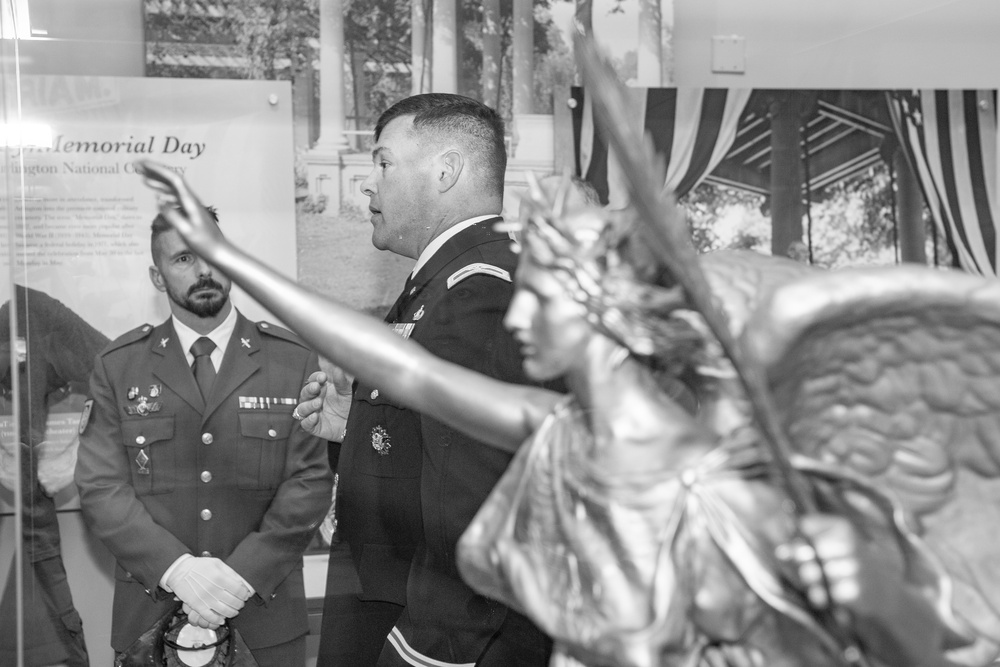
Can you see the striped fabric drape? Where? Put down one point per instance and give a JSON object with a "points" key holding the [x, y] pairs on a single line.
{"points": [[950, 138], [692, 127]]}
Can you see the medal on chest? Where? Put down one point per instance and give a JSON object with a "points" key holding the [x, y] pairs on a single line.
{"points": [[140, 403], [380, 441]]}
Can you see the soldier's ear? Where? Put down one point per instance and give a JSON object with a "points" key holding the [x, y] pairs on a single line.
{"points": [[449, 168], [157, 278]]}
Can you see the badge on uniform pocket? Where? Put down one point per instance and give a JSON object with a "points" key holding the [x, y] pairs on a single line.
{"points": [[142, 460], [380, 441]]}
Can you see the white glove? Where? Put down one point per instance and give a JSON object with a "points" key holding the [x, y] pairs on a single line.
{"points": [[194, 618], [209, 587]]}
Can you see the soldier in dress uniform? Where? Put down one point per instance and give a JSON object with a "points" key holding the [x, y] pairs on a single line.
{"points": [[191, 468], [410, 485]]}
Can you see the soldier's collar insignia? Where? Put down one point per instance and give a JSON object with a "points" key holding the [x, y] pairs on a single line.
{"points": [[163, 342], [420, 313], [245, 342]]}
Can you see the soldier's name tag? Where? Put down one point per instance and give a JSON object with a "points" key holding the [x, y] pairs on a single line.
{"points": [[265, 402], [403, 329]]}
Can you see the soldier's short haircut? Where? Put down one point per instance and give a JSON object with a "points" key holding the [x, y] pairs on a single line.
{"points": [[476, 126]]}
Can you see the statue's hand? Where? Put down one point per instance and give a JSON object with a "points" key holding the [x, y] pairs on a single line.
{"points": [[181, 207], [731, 655], [836, 567]]}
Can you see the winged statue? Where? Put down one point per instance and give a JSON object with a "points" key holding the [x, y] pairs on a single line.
{"points": [[870, 394]]}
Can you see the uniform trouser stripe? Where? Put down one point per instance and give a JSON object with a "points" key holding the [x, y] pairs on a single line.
{"points": [[413, 657]]}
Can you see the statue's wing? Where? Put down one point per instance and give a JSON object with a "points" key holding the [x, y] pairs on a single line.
{"points": [[742, 279], [895, 373]]}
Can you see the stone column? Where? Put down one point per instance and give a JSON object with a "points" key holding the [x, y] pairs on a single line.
{"points": [[444, 65], [491, 53], [786, 171], [331, 76], [524, 24], [666, 42], [650, 51], [421, 73], [909, 212], [323, 162]]}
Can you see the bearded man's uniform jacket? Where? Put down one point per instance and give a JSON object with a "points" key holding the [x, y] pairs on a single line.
{"points": [[162, 473], [410, 485]]}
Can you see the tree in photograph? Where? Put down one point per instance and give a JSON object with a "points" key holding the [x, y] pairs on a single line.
{"points": [[480, 32], [277, 36], [377, 39], [852, 223], [240, 39], [554, 70], [707, 204]]}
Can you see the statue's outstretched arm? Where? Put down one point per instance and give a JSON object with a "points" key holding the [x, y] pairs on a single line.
{"points": [[494, 412]]}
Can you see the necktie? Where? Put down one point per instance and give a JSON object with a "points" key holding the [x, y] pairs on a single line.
{"points": [[204, 370]]}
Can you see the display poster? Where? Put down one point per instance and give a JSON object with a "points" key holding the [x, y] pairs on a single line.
{"points": [[80, 215]]}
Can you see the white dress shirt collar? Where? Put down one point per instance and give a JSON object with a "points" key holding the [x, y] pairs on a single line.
{"points": [[186, 336], [441, 238]]}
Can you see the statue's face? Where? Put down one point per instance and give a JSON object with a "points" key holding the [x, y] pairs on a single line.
{"points": [[550, 326]]}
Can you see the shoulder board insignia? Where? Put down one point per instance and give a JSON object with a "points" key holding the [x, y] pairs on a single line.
{"points": [[279, 332], [129, 337], [473, 269]]}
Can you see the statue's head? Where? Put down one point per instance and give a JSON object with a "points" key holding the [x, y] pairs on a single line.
{"points": [[597, 259]]}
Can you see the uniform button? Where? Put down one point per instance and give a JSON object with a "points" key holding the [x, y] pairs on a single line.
{"points": [[206, 515], [206, 476], [374, 394], [141, 440], [271, 432], [206, 554], [207, 438]]}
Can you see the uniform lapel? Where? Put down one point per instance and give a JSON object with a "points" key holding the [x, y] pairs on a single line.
{"points": [[401, 301], [238, 363], [171, 366], [479, 233]]}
